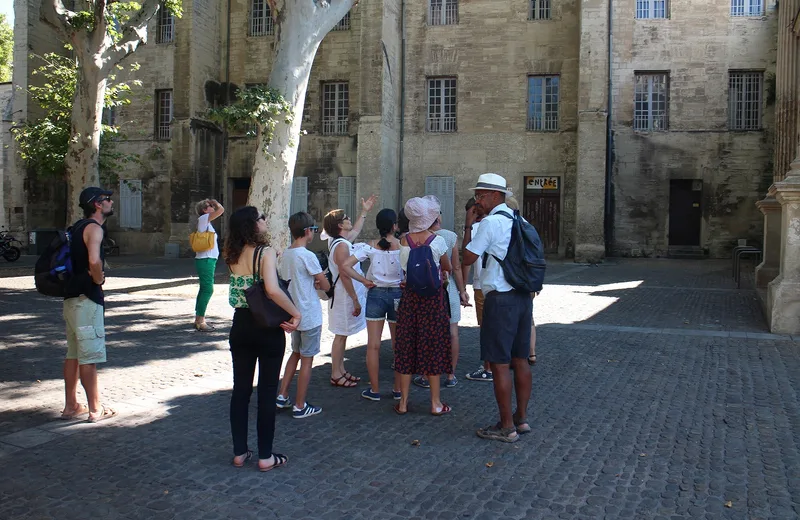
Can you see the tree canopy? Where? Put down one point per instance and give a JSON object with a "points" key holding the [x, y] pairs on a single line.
{"points": [[6, 49]]}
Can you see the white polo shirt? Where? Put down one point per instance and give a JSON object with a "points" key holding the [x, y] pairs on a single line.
{"points": [[493, 237]]}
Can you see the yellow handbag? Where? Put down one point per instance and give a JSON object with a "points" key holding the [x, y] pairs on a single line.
{"points": [[201, 241]]}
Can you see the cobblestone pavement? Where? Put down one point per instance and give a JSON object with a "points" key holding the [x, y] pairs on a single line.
{"points": [[658, 393]]}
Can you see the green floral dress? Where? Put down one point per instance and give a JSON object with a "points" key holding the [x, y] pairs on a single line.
{"points": [[239, 283]]}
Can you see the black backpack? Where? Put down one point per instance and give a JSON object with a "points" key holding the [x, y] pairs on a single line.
{"points": [[524, 264], [53, 269], [324, 263]]}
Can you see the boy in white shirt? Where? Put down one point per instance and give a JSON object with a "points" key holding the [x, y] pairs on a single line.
{"points": [[301, 266]]}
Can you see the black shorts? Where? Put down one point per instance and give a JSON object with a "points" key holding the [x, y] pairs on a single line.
{"points": [[506, 329]]}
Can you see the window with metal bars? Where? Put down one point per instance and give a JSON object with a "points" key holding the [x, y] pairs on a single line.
{"points": [[441, 105], [543, 94], [261, 22], [164, 115], [650, 102], [343, 25], [165, 30], [747, 7], [335, 108], [539, 10], [745, 94], [651, 9], [443, 12], [109, 117]]}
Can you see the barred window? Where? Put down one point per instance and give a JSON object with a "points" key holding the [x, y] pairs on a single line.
{"points": [[109, 117], [335, 108], [165, 30], [441, 105], [745, 94], [344, 24], [442, 12], [650, 104], [539, 10], [261, 22], [164, 115], [543, 93], [747, 7], [651, 8]]}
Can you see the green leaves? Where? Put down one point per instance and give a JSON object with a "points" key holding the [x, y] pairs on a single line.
{"points": [[6, 49], [257, 108]]}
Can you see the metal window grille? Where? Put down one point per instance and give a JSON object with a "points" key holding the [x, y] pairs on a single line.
{"points": [[335, 108], [650, 102], [543, 97], [443, 12], [344, 24], [442, 105], [164, 115], [261, 22], [651, 8], [745, 94], [110, 116], [747, 7], [165, 30], [539, 10]]}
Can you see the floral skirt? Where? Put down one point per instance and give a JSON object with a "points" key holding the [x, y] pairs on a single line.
{"points": [[422, 344]]}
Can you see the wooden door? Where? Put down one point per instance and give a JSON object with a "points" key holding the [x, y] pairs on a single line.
{"points": [[685, 212], [543, 211]]}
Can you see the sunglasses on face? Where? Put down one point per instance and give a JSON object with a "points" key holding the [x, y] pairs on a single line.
{"points": [[103, 199], [345, 218], [262, 217], [312, 228]]}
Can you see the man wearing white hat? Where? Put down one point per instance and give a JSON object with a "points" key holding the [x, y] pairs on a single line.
{"points": [[507, 313]]}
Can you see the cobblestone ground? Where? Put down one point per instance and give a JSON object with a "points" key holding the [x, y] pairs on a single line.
{"points": [[658, 393]]}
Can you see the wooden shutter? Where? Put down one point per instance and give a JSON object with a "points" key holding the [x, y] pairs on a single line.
{"points": [[347, 196], [130, 204], [299, 195], [443, 188]]}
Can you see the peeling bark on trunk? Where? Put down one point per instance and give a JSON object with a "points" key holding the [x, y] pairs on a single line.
{"points": [[83, 152], [301, 26]]}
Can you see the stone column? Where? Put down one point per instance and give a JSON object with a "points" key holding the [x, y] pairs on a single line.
{"points": [[592, 113], [769, 267], [784, 291]]}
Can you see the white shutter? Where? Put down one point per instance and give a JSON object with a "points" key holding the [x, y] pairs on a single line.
{"points": [[130, 204], [299, 195], [347, 196], [443, 188]]}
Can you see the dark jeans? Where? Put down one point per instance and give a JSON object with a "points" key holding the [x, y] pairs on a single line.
{"points": [[251, 344]]}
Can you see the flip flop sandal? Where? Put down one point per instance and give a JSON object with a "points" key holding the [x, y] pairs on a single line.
{"points": [[445, 409], [397, 408], [343, 382], [280, 460], [204, 328], [351, 377], [247, 456], [74, 414], [496, 433], [106, 413]]}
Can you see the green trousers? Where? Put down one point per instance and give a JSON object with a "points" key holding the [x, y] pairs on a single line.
{"points": [[205, 271]]}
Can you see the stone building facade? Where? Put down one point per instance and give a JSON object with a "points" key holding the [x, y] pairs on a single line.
{"points": [[634, 128]]}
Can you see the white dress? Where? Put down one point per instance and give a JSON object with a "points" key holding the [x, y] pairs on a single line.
{"points": [[340, 315], [452, 291]]}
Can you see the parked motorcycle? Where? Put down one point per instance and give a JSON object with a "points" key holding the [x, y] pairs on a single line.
{"points": [[8, 249]]}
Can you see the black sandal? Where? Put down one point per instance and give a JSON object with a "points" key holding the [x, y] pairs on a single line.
{"points": [[343, 382], [247, 456], [280, 460]]}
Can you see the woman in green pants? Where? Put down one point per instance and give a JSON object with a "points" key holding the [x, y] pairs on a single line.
{"points": [[206, 262]]}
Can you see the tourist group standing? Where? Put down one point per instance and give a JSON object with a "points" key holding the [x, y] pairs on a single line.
{"points": [[415, 283]]}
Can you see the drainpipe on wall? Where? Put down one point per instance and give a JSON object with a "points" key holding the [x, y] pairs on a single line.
{"points": [[402, 102], [608, 221]]}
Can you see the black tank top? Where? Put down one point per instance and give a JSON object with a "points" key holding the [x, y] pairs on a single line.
{"points": [[81, 282]]}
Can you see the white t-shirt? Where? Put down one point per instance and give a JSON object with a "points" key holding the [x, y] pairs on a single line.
{"points": [[203, 224], [476, 267], [438, 247], [300, 265], [384, 267], [493, 237]]}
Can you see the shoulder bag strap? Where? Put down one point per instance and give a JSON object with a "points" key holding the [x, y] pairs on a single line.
{"points": [[256, 262], [430, 239]]}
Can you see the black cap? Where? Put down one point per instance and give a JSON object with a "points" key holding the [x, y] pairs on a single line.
{"points": [[91, 194]]}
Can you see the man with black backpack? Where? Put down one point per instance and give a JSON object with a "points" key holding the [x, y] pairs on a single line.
{"points": [[84, 307], [512, 267]]}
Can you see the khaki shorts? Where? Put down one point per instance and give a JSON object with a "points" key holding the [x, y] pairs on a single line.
{"points": [[479, 305], [86, 336]]}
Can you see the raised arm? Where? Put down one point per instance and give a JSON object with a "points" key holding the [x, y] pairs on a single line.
{"points": [[218, 210], [358, 225]]}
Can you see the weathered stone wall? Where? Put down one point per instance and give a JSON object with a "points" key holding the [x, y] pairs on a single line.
{"points": [[697, 46], [491, 52]]}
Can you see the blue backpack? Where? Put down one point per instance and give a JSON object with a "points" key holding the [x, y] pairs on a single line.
{"points": [[524, 264], [53, 269], [422, 273]]}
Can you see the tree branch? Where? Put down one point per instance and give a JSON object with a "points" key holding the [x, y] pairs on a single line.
{"points": [[330, 12], [134, 33], [57, 16]]}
